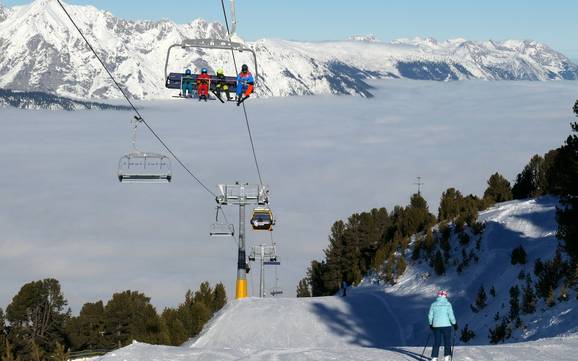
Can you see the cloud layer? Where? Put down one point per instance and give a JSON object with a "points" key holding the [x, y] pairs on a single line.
{"points": [[63, 214]]}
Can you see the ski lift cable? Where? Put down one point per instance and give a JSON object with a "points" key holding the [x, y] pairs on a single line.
{"points": [[244, 108], [140, 117]]}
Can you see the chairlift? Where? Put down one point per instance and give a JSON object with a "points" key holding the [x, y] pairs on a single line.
{"points": [[276, 291], [262, 219], [220, 229], [173, 80], [143, 167]]}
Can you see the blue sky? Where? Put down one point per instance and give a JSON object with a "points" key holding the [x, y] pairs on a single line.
{"points": [[552, 22]]}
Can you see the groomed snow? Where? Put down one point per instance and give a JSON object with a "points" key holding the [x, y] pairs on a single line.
{"points": [[354, 328]]}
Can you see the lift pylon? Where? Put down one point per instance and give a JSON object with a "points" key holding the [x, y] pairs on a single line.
{"points": [[267, 256], [242, 195]]}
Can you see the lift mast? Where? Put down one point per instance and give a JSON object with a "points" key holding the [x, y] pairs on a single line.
{"points": [[242, 195]]}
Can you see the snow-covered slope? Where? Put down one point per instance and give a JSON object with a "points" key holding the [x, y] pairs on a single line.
{"points": [[531, 224], [389, 323], [40, 50]]}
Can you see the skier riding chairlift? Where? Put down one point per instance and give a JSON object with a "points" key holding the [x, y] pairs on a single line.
{"points": [[245, 84], [203, 81], [221, 85], [187, 84]]}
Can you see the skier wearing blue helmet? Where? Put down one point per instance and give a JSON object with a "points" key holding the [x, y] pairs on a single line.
{"points": [[187, 84]]}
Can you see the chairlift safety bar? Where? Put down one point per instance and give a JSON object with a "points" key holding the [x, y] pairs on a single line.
{"points": [[212, 44]]}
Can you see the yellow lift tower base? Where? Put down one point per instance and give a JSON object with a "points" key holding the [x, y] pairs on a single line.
{"points": [[241, 289]]}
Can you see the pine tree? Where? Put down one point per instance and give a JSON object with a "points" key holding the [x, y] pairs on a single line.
{"points": [[551, 300], [529, 297], [219, 297], [2, 332], [8, 354], [37, 313], [303, 288], [493, 292], [439, 264], [177, 333], [86, 331], [37, 353], [204, 294], [499, 189], [200, 315], [467, 334], [566, 176], [564, 296], [514, 303], [519, 256], [531, 182], [60, 353], [450, 205], [130, 316], [400, 266], [481, 299]]}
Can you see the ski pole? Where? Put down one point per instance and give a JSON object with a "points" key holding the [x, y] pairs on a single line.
{"points": [[426, 343], [453, 344]]}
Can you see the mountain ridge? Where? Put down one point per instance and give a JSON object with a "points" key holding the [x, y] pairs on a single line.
{"points": [[42, 51]]}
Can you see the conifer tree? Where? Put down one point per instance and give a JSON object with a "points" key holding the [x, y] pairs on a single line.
{"points": [[177, 333], [551, 299], [566, 178], [514, 303], [86, 331], [467, 334], [60, 353], [303, 288], [219, 297], [204, 294], [2, 332], [439, 263], [8, 354], [450, 204], [201, 313], [37, 313], [37, 353], [481, 299], [531, 182], [429, 242], [519, 255], [130, 316], [498, 190], [529, 297], [400, 266]]}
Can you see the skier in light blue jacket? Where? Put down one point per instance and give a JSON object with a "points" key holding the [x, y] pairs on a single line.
{"points": [[441, 319]]}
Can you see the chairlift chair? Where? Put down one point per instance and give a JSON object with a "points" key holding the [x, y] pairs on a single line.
{"points": [[276, 291], [140, 167], [220, 229], [173, 80], [143, 167]]}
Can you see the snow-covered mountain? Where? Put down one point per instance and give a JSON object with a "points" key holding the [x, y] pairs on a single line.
{"points": [[40, 50]]}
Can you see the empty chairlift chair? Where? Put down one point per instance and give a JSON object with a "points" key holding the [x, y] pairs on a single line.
{"points": [[220, 229], [141, 167]]}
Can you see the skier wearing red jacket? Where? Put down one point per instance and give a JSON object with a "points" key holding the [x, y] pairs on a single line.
{"points": [[203, 81]]}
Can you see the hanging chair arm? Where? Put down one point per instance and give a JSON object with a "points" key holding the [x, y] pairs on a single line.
{"points": [[212, 44]]}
